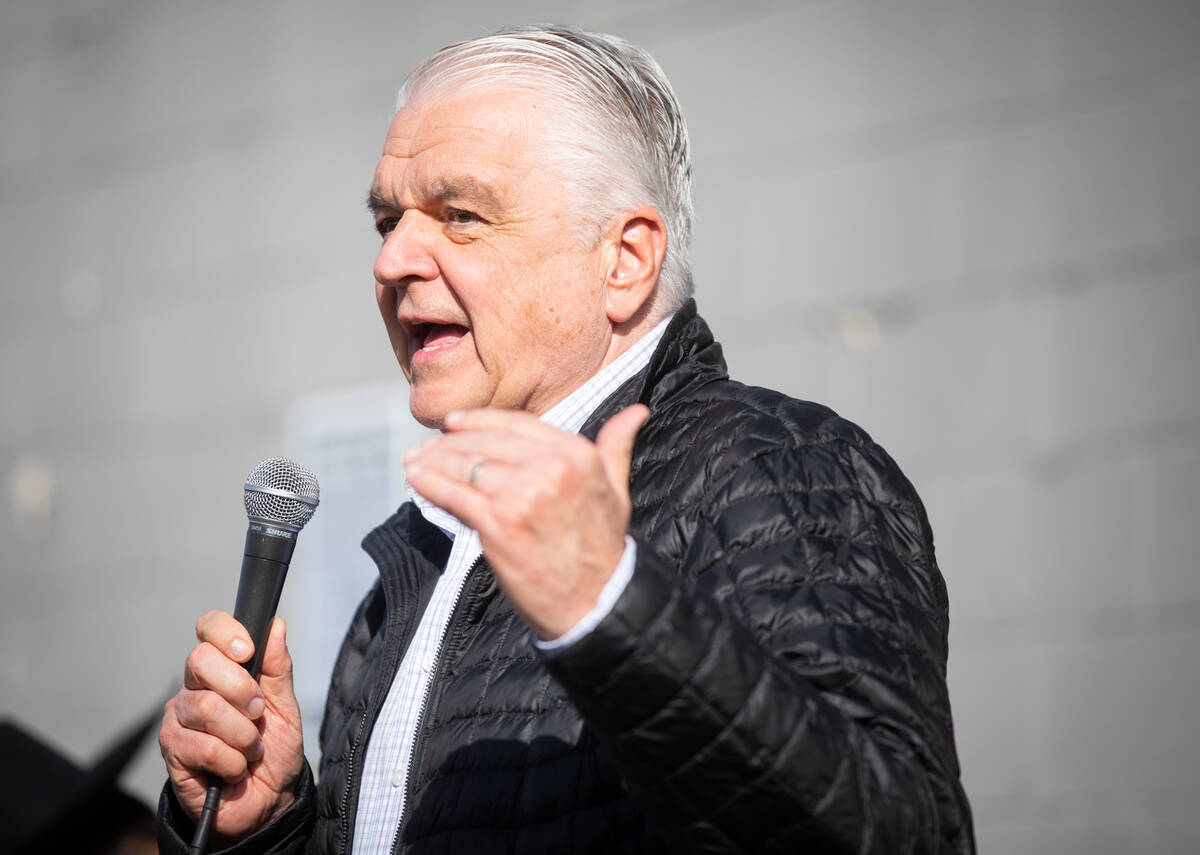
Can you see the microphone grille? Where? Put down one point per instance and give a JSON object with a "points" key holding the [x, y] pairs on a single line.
{"points": [[281, 491]]}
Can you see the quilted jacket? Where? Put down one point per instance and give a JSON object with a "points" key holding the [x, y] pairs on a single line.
{"points": [[771, 680]]}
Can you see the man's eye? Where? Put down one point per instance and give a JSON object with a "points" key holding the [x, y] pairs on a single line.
{"points": [[459, 217], [386, 225]]}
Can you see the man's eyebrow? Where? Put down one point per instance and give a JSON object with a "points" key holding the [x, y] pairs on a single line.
{"points": [[449, 190], [376, 202], [443, 191]]}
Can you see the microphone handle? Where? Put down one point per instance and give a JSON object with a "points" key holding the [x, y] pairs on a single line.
{"points": [[264, 569], [265, 562], [257, 598]]}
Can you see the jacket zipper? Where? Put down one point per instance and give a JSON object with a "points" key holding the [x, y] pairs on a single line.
{"points": [[358, 734], [417, 731], [388, 665]]}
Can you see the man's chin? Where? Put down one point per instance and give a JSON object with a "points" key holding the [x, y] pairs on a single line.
{"points": [[431, 422], [431, 410]]}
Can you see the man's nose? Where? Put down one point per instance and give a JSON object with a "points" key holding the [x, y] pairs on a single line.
{"points": [[407, 252]]}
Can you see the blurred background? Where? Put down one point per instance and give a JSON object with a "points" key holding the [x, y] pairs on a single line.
{"points": [[969, 225]]}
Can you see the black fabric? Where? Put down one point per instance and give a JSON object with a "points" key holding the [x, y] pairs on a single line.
{"points": [[50, 804], [771, 680]]}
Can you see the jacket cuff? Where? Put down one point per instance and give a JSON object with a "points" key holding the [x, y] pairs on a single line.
{"points": [[286, 834], [657, 640]]}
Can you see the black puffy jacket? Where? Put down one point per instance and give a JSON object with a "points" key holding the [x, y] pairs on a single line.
{"points": [[771, 680]]}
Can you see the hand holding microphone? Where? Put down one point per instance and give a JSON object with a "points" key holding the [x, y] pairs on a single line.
{"points": [[223, 722]]}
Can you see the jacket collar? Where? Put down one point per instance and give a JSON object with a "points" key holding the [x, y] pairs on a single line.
{"points": [[686, 358]]}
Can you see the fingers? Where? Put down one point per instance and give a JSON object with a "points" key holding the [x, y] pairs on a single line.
{"points": [[487, 451], [443, 481], [190, 753], [207, 668], [224, 642], [209, 713], [505, 434], [516, 439], [226, 633], [513, 422], [473, 474], [210, 724], [493, 445], [462, 460]]}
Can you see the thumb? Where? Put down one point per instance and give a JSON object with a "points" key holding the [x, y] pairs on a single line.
{"points": [[615, 443], [276, 675]]}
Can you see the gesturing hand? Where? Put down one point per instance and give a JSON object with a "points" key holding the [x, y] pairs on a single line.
{"points": [[551, 508]]}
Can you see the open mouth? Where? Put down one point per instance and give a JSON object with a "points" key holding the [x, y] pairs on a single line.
{"points": [[431, 337]]}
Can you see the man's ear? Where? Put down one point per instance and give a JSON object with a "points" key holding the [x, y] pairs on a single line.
{"points": [[639, 238]]}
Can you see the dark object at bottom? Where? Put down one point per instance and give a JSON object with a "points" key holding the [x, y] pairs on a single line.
{"points": [[50, 805]]}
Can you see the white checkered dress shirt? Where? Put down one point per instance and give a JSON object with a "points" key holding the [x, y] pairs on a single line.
{"points": [[385, 769]]}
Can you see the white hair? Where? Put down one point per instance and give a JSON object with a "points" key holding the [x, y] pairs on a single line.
{"points": [[621, 141]]}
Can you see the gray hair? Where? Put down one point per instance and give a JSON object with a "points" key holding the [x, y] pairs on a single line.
{"points": [[623, 141]]}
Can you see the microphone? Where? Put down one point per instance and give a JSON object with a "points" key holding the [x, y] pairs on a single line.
{"points": [[280, 498]]}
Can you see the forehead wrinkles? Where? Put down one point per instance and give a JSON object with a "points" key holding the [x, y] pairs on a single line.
{"points": [[485, 164], [500, 141]]}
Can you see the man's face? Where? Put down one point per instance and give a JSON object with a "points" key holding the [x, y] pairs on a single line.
{"points": [[490, 294]]}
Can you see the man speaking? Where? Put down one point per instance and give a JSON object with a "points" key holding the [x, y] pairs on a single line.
{"points": [[634, 606]]}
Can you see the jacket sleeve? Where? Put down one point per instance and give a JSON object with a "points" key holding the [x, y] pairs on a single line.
{"points": [[778, 685], [287, 835]]}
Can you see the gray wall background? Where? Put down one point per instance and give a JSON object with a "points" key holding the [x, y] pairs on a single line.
{"points": [[970, 226]]}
